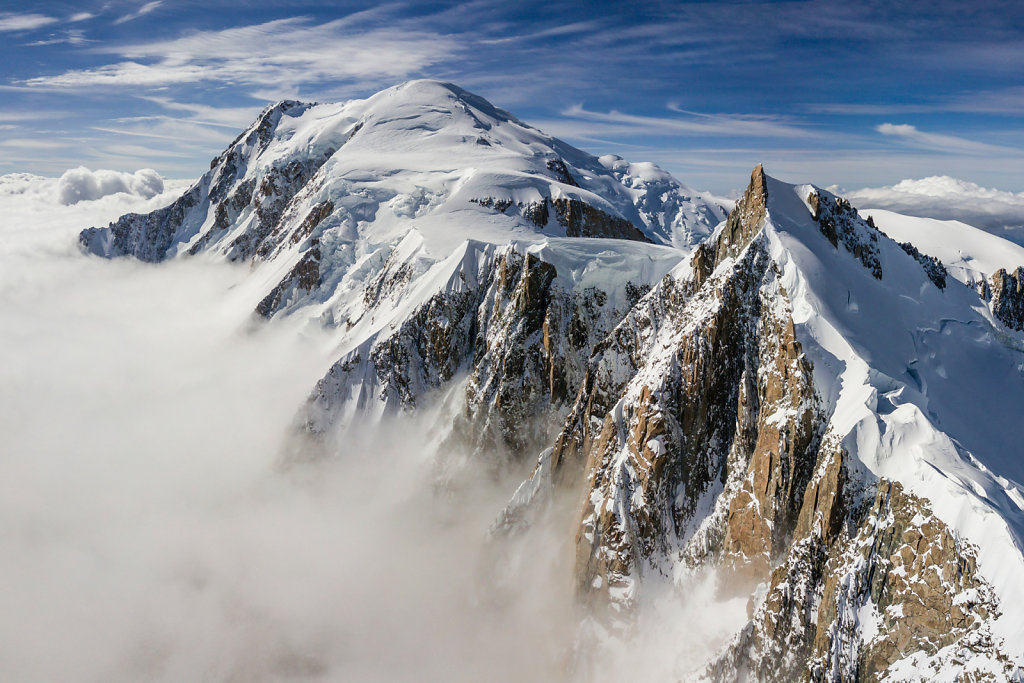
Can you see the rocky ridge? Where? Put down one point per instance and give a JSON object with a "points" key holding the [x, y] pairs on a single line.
{"points": [[725, 405], [313, 189], [701, 438]]}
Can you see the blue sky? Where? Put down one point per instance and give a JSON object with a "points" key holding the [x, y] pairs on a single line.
{"points": [[847, 93]]}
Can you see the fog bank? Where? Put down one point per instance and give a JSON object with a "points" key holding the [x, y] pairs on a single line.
{"points": [[149, 531]]}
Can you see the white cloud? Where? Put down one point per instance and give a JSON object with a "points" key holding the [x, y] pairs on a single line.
{"points": [[142, 11], [81, 16], [81, 184], [32, 143], [1000, 102], [228, 117], [154, 535], [124, 74], [948, 198], [690, 123], [291, 51], [937, 142], [71, 37], [23, 22]]}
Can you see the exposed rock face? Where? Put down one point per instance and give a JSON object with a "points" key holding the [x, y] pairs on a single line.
{"points": [[1008, 297], [148, 237], [784, 433], [698, 437], [576, 217], [932, 266], [521, 338], [302, 279], [894, 582], [663, 450], [583, 220], [704, 453], [561, 171], [225, 190], [840, 222]]}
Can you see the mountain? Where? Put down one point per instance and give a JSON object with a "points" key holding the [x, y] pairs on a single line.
{"points": [[823, 417], [945, 198], [334, 184], [988, 263], [790, 406]]}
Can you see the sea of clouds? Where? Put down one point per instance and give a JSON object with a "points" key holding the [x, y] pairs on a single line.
{"points": [[150, 528], [946, 198], [82, 185]]}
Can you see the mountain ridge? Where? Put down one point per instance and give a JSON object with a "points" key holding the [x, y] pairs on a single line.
{"points": [[777, 397]]}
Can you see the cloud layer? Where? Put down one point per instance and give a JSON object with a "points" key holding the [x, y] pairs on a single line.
{"points": [[150, 532], [81, 184], [948, 198], [84, 185]]}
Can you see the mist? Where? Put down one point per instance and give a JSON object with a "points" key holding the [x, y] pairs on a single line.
{"points": [[150, 529]]}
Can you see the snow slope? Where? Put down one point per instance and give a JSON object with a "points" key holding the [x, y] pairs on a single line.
{"points": [[921, 386], [968, 253], [328, 190]]}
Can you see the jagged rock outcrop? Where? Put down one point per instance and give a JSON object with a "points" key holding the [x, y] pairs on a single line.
{"points": [[700, 437], [849, 602], [932, 266], [147, 237], [518, 334], [302, 279], [576, 218], [722, 416], [583, 220], [839, 222], [1007, 291]]}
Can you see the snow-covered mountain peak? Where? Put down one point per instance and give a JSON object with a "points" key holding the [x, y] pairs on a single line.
{"points": [[778, 396], [321, 190]]}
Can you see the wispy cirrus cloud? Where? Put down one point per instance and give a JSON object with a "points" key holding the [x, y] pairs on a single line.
{"points": [[553, 32], [141, 12], [1007, 101], [293, 51], [32, 143], [21, 116], [688, 123], [225, 117], [71, 37], [183, 131], [938, 142], [10, 22]]}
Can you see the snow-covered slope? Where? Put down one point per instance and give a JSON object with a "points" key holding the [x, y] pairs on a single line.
{"points": [[969, 254], [806, 406], [793, 401], [326, 190], [991, 265]]}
